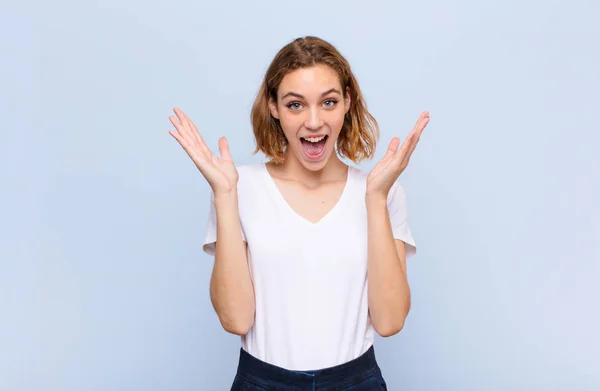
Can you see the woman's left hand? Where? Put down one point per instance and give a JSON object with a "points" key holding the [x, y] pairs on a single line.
{"points": [[388, 169]]}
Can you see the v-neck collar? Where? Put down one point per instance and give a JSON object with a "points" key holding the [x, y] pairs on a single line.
{"points": [[281, 199]]}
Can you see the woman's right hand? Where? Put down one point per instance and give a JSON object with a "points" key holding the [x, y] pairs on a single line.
{"points": [[220, 173]]}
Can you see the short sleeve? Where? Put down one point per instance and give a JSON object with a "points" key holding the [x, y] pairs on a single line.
{"points": [[398, 212], [210, 236]]}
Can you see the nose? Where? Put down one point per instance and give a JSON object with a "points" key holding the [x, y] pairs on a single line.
{"points": [[314, 120]]}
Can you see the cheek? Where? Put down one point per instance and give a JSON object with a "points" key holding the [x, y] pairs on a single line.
{"points": [[336, 120], [291, 125]]}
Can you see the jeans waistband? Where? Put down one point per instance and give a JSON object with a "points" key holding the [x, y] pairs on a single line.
{"points": [[343, 375]]}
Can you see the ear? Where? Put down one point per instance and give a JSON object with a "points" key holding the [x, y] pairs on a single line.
{"points": [[273, 108], [347, 100]]}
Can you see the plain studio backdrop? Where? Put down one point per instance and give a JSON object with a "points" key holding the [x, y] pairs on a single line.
{"points": [[103, 284]]}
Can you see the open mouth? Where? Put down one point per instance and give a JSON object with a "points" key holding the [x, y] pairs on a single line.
{"points": [[314, 146]]}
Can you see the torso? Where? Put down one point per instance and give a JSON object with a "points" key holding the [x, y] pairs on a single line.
{"points": [[307, 252]]}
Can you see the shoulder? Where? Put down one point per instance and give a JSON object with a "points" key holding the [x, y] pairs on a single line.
{"points": [[250, 171], [250, 178], [358, 175], [358, 172]]}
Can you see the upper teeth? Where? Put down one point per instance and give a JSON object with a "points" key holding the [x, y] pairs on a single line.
{"points": [[314, 139]]}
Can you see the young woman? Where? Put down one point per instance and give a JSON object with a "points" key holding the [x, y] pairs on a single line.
{"points": [[310, 259]]}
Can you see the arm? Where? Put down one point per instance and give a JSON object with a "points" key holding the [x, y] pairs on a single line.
{"points": [[231, 290], [388, 290], [389, 293]]}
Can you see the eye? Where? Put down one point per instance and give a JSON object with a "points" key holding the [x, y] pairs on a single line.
{"points": [[330, 103], [294, 106]]}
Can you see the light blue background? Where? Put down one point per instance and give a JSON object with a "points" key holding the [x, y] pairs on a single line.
{"points": [[103, 285]]}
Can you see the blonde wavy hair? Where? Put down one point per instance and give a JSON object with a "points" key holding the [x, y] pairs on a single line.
{"points": [[357, 139]]}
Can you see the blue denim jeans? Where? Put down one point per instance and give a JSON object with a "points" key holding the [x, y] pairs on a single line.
{"points": [[360, 374]]}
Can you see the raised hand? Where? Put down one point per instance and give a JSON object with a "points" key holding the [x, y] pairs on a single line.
{"points": [[219, 172], [388, 169]]}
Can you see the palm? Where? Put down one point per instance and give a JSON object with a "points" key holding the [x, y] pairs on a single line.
{"points": [[219, 172], [388, 169]]}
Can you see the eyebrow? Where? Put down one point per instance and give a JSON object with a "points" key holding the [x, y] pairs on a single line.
{"points": [[291, 93]]}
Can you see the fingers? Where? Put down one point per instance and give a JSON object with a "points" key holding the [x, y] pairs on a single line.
{"points": [[392, 148], [424, 116], [180, 125], [421, 124], [188, 130], [402, 157], [182, 130], [418, 130], [224, 149], [186, 146]]}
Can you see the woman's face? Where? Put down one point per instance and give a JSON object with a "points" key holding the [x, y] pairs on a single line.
{"points": [[311, 108]]}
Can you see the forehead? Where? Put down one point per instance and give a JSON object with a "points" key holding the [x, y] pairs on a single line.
{"points": [[309, 81]]}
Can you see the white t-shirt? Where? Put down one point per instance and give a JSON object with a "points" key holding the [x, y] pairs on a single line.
{"points": [[310, 279]]}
